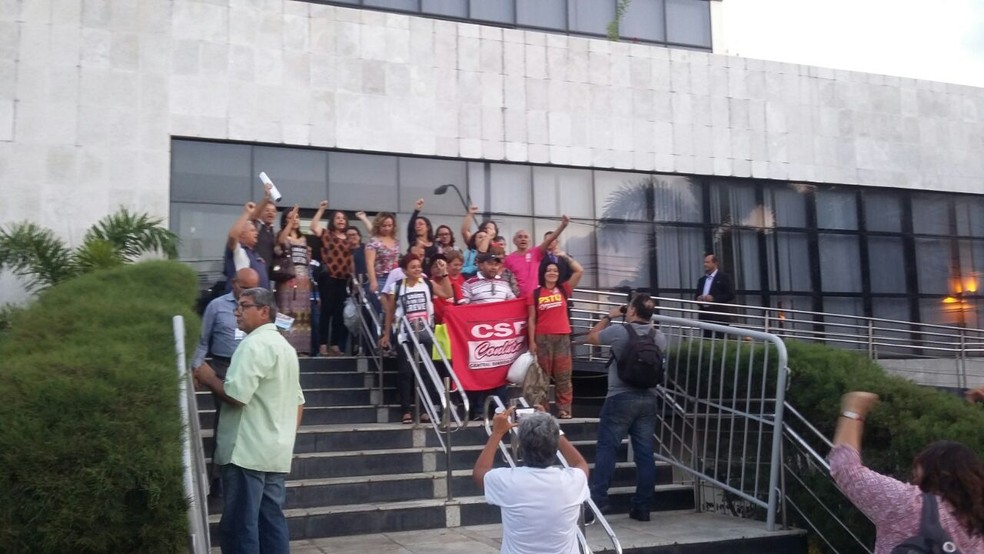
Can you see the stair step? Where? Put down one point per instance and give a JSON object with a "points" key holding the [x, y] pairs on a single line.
{"points": [[682, 532]]}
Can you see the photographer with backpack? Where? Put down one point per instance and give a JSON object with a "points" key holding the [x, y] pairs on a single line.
{"points": [[631, 405]]}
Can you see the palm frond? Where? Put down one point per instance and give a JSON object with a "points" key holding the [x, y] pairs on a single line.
{"points": [[133, 235], [36, 255], [97, 254]]}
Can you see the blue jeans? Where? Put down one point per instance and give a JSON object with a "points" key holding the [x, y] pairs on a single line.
{"points": [[252, 514], [633, 413]]}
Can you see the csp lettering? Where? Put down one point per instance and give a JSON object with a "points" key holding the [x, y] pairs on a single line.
{"points": [[501, 330]]}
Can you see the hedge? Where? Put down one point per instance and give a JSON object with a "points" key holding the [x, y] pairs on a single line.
{"points": [[90, 441], [908, 418]]}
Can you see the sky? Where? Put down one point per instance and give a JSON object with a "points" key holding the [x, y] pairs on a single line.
{"points": [[938, 40]]}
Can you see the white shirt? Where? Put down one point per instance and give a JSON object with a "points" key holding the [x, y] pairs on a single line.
{"points": [[709, 281], [479, 290], [418, 303], [540, 507]]}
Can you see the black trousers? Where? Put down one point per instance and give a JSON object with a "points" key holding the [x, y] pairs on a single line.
{"points": [[331, 324]]}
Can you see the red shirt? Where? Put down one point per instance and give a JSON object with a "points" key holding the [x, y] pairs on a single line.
{"points": [[551, 314]]}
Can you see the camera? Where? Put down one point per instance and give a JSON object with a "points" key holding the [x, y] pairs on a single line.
{"points": [[623, 309], [523, 412]]}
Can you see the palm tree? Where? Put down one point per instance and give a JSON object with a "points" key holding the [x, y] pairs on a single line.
{"points": [[41, 259]]}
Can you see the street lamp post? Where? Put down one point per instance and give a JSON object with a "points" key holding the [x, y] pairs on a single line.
{"points": [[467, 205]]}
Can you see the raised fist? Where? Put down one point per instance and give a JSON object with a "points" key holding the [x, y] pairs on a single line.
{"points": [[250, 206], [419, 204], [323, 205]]}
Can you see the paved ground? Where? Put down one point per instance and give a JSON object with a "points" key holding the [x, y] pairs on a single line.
{"points": [[665, 528]]}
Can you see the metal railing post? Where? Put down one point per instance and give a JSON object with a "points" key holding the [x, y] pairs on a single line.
{"points": [[446, 425]]}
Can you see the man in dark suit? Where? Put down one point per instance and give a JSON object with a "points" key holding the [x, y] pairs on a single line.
{"points": [[715, 287]]}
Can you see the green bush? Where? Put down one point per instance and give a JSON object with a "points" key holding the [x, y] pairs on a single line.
{"points": [[90, 441], [908, 418]]}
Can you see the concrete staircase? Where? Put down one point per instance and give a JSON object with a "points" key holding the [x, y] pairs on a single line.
{"points": [[358, 471]]}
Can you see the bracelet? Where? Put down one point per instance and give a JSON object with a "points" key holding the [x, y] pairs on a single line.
{"points": [[852, 415]]}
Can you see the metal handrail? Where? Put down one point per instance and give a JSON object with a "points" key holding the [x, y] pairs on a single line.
{"points": [[880, 338], [193, 455], [803, 445], [364, 306], [418, 355], [514, 434]]}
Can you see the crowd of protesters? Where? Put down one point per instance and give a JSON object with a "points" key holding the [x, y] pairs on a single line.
{"points": [[430, 266]]}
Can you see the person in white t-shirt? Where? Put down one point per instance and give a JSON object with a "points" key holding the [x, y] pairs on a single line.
{"points": [[540, 502], [411, 296]]}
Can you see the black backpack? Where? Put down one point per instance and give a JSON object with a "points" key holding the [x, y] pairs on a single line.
{"points": [[932, 538], [641, 363]]}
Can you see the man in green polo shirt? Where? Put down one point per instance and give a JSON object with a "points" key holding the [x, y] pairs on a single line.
{"points": [[261, 410]]}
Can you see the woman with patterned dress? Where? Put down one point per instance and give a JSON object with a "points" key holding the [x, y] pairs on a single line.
{"points": [[294, 295], [336, 255]]}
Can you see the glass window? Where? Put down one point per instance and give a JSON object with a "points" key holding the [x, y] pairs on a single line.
{"points": [[620, 195], [679, 257], [892, 333], [300, 175], [510, 188], [578, 241], [788, 204], [403, 5], [203, 229], [840, 263], [836, 209], [451, 8], [677, 198], [688, 22], [362, 182], [592, 16], [933, 268], [886, 265], [558, 191], [211, 172], [549, 14], [624, 251], [509, 225], [970, 216], [931, 214], [643, 20], [883, 211], [934, 311], [502, 11], [789, 262], [971, 265], [419, 177], [733, 203], [845, 325], [476, 184]]}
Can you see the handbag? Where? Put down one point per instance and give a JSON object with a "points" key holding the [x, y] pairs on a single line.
{"points": [[536, 385], [283, 266]]}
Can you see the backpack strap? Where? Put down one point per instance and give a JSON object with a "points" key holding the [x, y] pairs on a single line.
{"points": [[632, 338], [929, 523]]}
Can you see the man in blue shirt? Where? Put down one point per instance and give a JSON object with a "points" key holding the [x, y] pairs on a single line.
{"points": [[220, 336]]}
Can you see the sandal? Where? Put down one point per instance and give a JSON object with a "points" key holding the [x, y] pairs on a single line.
{"points": [[564, 414], [424, 418], [407, 418]]}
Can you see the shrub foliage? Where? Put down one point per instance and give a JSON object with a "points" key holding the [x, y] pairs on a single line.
{"points": [[90, 441]]}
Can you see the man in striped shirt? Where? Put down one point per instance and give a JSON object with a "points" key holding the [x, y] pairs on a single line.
{"points": [[487, 286]]}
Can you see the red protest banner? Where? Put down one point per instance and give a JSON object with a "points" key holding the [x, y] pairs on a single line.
{"points": [[485, 340]]}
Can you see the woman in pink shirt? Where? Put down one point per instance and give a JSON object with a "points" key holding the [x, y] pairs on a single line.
{"points": [[946, 469]]}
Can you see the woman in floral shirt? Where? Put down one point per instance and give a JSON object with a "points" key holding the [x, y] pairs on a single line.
{"points": [[946, 469], [382, 250]]}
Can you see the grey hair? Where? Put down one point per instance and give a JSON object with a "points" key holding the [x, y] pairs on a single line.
{"points": [[262, 297], [538, 436]]}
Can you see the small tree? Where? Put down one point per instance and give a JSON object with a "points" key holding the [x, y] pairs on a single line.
{"points": [[41, 259]]}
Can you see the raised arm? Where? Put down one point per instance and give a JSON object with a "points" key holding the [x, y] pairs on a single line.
{"points": [[232, 241], [466, 223], [316, 220], [547, 239], [439, 280], [573, 457], [412, 224], [361, 216], [267, 198], [850, 422], [577, 271], [501, 425], [293, 222]]}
